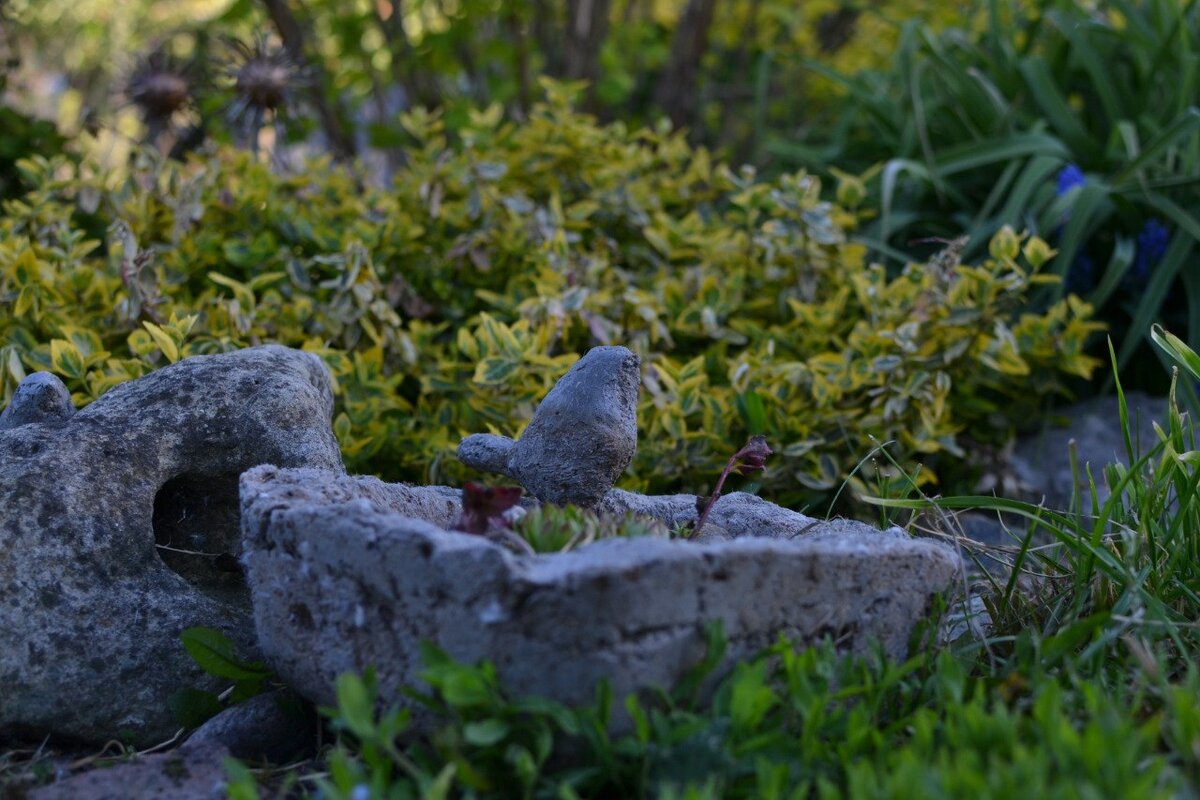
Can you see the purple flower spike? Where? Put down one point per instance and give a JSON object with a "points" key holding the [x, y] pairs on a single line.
{"points": [[1152, 241], [1069, 177]]}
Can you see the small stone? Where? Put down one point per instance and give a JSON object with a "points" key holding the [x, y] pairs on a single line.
{"points": [[581, 438], [1042, 461], [196, 774], [41, 397], [737, 513], [277, 727]]}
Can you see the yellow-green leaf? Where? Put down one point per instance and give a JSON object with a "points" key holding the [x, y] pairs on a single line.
{"points": [[66, 358], [164, 341]]}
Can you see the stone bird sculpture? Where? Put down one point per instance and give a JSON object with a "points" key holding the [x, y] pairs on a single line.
{"points": [[581, 438]]}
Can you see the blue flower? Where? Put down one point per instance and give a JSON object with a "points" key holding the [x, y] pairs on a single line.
{"points": [[1152, 241], [1069, 177], [1082, 275]]}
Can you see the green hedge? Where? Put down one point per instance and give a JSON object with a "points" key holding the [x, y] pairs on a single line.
{"points": [[449, 302]]}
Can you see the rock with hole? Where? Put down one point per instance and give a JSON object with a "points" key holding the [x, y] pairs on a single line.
{"points": [[119, 528], [347, 572]]}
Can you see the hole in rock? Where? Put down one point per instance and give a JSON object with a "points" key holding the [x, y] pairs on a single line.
{"points": [[197, 534]]}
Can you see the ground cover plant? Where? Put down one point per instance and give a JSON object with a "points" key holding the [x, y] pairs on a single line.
{"points": [[449, 302], [494, 512]]}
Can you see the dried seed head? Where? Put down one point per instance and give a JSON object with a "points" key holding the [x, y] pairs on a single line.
{"points": [[753, 457], [264, 78], [263, 83], [159, 88]]}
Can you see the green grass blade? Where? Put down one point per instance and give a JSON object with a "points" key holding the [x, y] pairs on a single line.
{"points": [[1177, 349], [1095, 64], [1122, 406], [1037, 176], [1054, 106], [1090, 210], [1002, 149], [1185, 125], [1124, 251]]}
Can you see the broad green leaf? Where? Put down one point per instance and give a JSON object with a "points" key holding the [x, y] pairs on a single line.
{"points": [[164, 341], [494, 370], [193, 707], [486, 732], [215, 653], [66, 359], [355, 705], [442, 784]]}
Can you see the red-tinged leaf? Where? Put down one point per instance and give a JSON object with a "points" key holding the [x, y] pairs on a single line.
{"points": [[483, 505]]}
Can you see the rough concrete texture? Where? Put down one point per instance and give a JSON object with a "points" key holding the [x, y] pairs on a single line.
{"points": [[581, 438], [196, 774], [41, 397], [1042, 461], [340, 583], [439, 505], [276, 727], [735, 515], [91, 609]]}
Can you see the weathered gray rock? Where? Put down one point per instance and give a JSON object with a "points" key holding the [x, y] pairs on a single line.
{"points": [[581, 438], [341, 582], [277, 727], [734, 516], [91, 609], [195, 774], [438, 505], [41, 397], [1042, 461]]}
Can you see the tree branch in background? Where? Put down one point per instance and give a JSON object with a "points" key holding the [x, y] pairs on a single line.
{"points": [[294, 39], [748, 42], [547, 37], [676, 93], [514, 24], [587, 28]]}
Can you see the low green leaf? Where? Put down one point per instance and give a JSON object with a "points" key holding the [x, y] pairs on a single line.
{"points": [[486, 732], [216, 654]]}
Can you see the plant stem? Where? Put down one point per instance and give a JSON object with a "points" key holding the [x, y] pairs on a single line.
{"points": [[716, 495]]}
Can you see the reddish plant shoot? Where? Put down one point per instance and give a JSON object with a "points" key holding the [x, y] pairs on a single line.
{"points": [[751, 458], [483, 507]]}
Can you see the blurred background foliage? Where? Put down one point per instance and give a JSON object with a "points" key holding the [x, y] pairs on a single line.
{"points": [[1077, 121], [1069, 122], [729, 70]]}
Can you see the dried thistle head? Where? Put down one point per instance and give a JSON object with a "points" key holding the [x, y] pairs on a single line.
{"points": [[160, 86], [264, 80]]}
